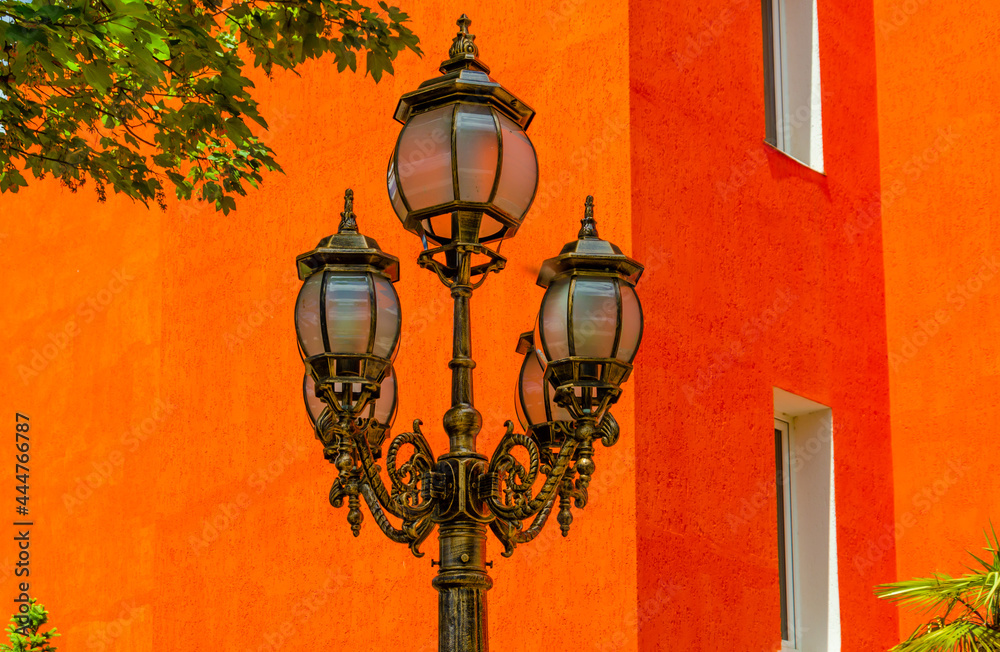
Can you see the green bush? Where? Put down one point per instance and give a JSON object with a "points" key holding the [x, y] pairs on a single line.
{"points": [[23, 631]]}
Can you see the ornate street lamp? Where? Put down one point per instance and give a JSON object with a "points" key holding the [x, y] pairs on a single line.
{"points": [[463, 175]]}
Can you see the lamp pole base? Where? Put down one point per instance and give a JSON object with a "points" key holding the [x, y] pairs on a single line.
{"points": [[462, 584]]}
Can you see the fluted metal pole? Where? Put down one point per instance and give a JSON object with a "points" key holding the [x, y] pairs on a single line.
{"points": [[462, 581]]}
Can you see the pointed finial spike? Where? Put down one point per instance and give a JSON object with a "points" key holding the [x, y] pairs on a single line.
{"points": [[589, 228], [464, 43], [348, 222]]}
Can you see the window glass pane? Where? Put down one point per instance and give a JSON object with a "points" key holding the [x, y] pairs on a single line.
{"points": [[394, 196], [314, 404], [779, 467], [770, 128]]}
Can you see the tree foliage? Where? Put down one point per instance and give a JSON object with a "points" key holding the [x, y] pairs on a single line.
{"points": [[138, 96], [964, 611], [23, 631]]}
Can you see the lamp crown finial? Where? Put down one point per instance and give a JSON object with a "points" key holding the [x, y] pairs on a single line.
{"points": [[348, 221], [589, 228], [464, 43]]}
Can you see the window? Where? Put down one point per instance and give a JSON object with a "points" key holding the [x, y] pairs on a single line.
{"points": [[792, 97], [786, 562], [806, 544]]}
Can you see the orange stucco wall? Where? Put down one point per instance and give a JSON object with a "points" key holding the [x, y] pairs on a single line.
{"points": [[758, 286], [166, 375], [939, 139]]}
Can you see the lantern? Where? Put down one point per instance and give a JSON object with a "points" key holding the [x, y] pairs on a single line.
{"points": [[539, 414], [377, 417], [463, 169], [590, 322], [347, 316]]}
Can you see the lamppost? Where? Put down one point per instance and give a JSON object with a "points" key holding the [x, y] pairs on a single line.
{"points": [[462, 177]]}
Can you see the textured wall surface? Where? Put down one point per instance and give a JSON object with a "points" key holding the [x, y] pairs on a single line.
{"points": [[180, 497], [939, 138], [760, 284]]}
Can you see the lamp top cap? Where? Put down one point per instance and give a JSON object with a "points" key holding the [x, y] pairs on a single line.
{"points": [[588, 225], [348, 220], [348, 250], [590, 252], [464, 53], [464, 77], [464, 43]]}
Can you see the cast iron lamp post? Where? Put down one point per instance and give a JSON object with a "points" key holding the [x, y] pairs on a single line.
{"points": [[462, 176]]}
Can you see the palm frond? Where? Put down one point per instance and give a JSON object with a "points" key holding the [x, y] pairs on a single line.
{"points": [[957, 636], [934, 592]]}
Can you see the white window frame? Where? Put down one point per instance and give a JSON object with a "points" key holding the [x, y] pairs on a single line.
{"points": [[807, 454], [782, 449], [797, 91]]}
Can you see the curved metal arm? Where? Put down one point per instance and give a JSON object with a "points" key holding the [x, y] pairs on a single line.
{"points": [[406, 479], [511, 500], [399, 536], [360, 475], [403, 502], [412, 534], [510, 534]]}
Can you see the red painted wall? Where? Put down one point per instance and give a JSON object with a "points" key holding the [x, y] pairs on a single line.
{"points": [[728, 225], [939, 142]]}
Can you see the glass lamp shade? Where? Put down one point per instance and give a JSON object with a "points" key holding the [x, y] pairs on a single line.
{"points": [[458, 161], [377, 416], [382, 408], [591, 316], [347, 313], [536, 408]]}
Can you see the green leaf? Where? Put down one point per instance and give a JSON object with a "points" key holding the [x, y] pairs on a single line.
{"points": [[132, 95]]}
